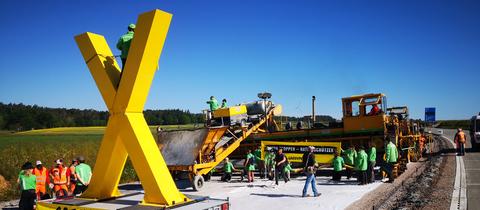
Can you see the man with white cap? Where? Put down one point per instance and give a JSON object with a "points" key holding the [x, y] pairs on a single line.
{"points": [[310, 168], [41, 173], [61, 179]]}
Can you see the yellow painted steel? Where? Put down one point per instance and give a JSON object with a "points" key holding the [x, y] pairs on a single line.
{"points": [[127, 132], [230, 111]]}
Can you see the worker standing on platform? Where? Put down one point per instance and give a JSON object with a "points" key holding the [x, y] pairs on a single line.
{"points": [[84, 174], [124, 43], [43, 180], [27, 182], [460, 141], [213, 103], [310, 169], [372, 159], [350, 155], [391, 156], [224, 103], [338, 164], [361, 165]]}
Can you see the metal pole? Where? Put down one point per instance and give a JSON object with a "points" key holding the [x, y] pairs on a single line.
{"points": [[313, 110]]}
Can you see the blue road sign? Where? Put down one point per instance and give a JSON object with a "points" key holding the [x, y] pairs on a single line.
{"points": [[430, 114]]}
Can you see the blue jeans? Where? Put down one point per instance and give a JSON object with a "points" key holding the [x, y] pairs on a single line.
{"points": [[310, 179]]}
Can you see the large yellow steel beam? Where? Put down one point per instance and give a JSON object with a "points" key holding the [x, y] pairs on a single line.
{"points": [[127, 132]]}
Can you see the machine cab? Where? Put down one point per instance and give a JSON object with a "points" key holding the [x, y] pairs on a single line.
{"points": [[364, 113], [475, 130]]}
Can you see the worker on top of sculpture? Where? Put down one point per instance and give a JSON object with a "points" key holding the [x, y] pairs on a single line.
{"points": [[224, 103], [124, 42], [213, 103]]}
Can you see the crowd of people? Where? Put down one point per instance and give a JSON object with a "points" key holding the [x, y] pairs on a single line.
{"points": [[60, 181], [356, 162]]}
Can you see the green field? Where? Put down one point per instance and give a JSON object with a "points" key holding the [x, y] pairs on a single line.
{"points": [[48, 145]]}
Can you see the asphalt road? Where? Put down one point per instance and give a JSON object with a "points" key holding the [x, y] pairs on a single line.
{"points": [[472, 170]]}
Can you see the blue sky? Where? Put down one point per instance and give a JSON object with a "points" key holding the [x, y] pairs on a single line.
{"points": [[420, 53]]}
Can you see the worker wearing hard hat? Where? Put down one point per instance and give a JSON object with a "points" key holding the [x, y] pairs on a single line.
{"points": [[124, 42], [61, 179], [43, 180], [460, 140]]}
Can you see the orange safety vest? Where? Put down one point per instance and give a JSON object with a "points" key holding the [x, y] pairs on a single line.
{"points": [[461, 137], [59, 176], [41, 179]]}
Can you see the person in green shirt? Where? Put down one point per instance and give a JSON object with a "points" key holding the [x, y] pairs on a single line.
{"points": [[27, 183], [270, 163], [372, 159], [124, 42], [83, 172], [260, 163], [350, 156], [391, 156], [213, 103], [250, 165], [227, 170], [338, 164], [361, 165], [288, 168], [224, 103]]}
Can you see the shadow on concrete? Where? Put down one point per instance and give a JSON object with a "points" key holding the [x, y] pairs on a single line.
{"points": [[276, 195], [344, 182]]}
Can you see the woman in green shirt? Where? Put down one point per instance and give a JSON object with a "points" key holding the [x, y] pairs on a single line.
{"points": [[338, 164], [28, 183], [250, 165]]}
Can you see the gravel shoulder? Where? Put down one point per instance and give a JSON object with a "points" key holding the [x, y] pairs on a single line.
{"points": [[427, 184]]}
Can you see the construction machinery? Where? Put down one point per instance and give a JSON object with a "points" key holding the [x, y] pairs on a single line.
{"points": [[366, 119], [193, 154]]}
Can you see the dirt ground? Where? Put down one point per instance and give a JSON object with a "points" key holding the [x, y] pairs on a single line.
{"points": [[427, 184]]}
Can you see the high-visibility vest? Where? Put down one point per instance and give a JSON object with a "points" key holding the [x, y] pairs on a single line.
{"points": [[461, 137], [60, 176], [41, 176]]}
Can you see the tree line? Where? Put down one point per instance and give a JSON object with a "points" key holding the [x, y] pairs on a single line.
{"points": [[20, 117]]}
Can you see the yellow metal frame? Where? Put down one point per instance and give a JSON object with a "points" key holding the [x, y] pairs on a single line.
{"points": [[230, 111], [127, 133]]}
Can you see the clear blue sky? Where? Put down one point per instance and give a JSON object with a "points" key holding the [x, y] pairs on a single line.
{"points": [[419, 53]]}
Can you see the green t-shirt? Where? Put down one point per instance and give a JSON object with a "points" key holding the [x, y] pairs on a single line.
{"points": [[372, 154], [124, 42], [269, 158], [361, 161], [258, 154], [228, 167], [350, 156], [84, 172], [287, 168], [250, 165], [27, 182], [213, 104], [391, 153], [338, 163]]}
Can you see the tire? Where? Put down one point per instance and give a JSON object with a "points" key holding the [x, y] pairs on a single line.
{"points": [[198, 182]]}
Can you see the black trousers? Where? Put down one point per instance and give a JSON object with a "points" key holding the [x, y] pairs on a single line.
{"points": [[349, 172], [371, 172], [280, 172], [80, 189], [388, 168], [227, 177], [362, 177], [461, 149], [27, 200], [336, 175]]}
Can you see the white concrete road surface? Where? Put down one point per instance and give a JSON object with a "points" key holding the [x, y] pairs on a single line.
{"points": [[265, 195]]}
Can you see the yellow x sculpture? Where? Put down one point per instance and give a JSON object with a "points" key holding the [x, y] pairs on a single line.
{"points": [[127, 132]]}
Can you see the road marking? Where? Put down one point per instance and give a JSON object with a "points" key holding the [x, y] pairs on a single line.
{"points": [[459, 194]]}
